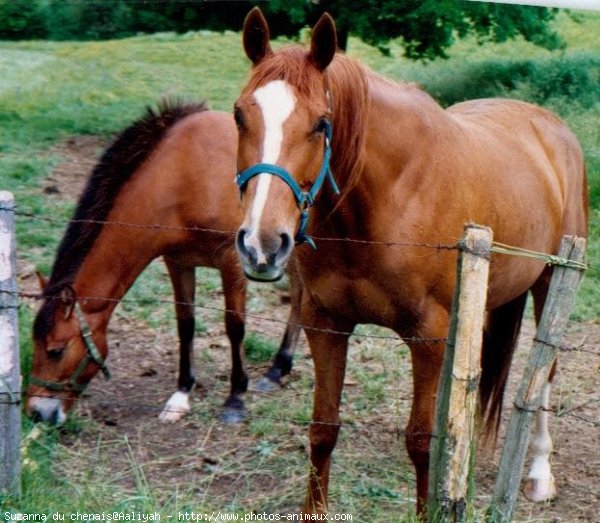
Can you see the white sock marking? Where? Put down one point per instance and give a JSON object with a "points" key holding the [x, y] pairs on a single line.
{"points": [[177, 407], [540, 480], [276, 101]]}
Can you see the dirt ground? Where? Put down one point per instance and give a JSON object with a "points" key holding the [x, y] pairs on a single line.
{"points": [[143, 362]]}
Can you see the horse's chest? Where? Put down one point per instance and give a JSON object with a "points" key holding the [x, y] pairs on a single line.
{"points": [[358, 300]]}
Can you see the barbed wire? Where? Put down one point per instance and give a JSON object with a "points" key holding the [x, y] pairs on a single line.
{"points": [[249, 416], [497, 247], [157, 226], [500, 248], [581, 347], [159, 301]]}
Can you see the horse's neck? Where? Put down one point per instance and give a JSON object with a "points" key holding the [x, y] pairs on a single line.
{"points": [[403, 128], [115, 260], [402, 122]]}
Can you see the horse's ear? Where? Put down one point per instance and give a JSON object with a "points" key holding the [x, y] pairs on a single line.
{"points": [[256, 36], [323, 43], [42, 280], [67, 298]]}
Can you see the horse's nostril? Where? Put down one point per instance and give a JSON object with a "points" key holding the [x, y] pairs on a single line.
{"points": [[286, 246], [36, 417], [240, 243], [55, 418]]}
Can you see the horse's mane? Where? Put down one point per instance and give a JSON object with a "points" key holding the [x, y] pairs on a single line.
{"points": [[116, 166], [348, 83]]}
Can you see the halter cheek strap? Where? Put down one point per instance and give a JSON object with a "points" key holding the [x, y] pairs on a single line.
{"points": [[304, 199], [92, 355]]}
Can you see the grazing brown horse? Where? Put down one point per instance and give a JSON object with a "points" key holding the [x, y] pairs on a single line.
{"points": [[409, 172], [163, 188]]}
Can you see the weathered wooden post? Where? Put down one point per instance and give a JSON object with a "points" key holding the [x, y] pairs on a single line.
{"points": [[10, 386], [557, 309], [453, 444]]}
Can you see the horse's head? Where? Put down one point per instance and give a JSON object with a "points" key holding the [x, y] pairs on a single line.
{"points": [[284, 120], [66, 356]]}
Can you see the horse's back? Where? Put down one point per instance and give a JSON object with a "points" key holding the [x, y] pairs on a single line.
{"points": [[520, 129], [185, 185]]}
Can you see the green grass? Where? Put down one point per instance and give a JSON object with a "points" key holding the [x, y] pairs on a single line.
{"points": [[49, 91], [258, 349]]}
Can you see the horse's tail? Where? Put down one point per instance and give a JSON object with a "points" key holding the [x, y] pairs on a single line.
{"points": [[499, 341]]}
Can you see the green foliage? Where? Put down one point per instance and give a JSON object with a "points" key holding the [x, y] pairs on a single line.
{"points": [[427, 27], [21, 19], [573, 77]]}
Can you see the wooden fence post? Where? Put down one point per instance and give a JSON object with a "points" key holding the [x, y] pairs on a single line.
{"points": [[10, 386], [557, 309], [453, 443]]}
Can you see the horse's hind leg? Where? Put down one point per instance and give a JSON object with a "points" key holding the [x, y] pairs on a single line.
{"points": [[540, 485], [183, 279], [282, 362], [234, 288]]}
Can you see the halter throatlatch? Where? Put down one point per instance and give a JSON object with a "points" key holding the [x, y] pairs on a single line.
{"points": [[92, 355], [304, 199]]}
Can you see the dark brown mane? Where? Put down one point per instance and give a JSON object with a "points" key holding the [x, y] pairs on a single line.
{"points": [[116, 166], [348, 83]]}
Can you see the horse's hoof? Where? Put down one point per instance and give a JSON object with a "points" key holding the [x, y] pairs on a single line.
{"points": [[176, 408], [540, 489], [232, 416], [265, 384]]}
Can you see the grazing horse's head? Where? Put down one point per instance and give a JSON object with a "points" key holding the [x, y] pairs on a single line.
{"points": [[67, 355], [284, 121]]}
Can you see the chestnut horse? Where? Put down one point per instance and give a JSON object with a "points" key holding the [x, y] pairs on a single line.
{"points": [[409, 172], [161, 189]]}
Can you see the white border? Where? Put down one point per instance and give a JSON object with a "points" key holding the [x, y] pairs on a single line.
{"points": [[592, 5]]}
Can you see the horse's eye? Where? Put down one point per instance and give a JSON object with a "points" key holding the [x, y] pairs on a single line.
{"points": [[54, 353], [238, 117], [320, 126]]}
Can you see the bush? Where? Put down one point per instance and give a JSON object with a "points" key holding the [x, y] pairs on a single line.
{"points": [[575, 78]]}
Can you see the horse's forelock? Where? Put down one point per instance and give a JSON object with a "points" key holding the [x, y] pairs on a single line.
{"points": [[292, 65]]}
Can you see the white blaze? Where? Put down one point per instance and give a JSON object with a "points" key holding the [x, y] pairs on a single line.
{"points": [[276, 101]]}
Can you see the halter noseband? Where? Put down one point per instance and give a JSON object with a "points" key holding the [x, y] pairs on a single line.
{"points": [[304, 199], [92, 355]]}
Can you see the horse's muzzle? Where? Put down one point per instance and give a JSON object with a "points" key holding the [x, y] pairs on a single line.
{"points": [[50, 410], [263, 261]]}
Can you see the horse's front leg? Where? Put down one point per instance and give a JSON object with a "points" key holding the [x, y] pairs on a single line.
{"points": [[282, 362], [183, 279], [234, 288], [328, 349], [426, 358]]}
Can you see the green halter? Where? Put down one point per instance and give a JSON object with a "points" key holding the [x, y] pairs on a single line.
{"points": [[92, 355]]}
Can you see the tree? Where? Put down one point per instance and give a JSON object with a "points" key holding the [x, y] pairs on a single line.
{"points": [[427, 27], [20, 19]]}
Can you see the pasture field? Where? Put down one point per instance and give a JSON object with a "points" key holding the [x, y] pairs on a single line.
{"points": [[60, 103]]}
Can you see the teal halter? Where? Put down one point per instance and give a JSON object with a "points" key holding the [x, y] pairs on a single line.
{"points": [[92, 355], [304, 199]]}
